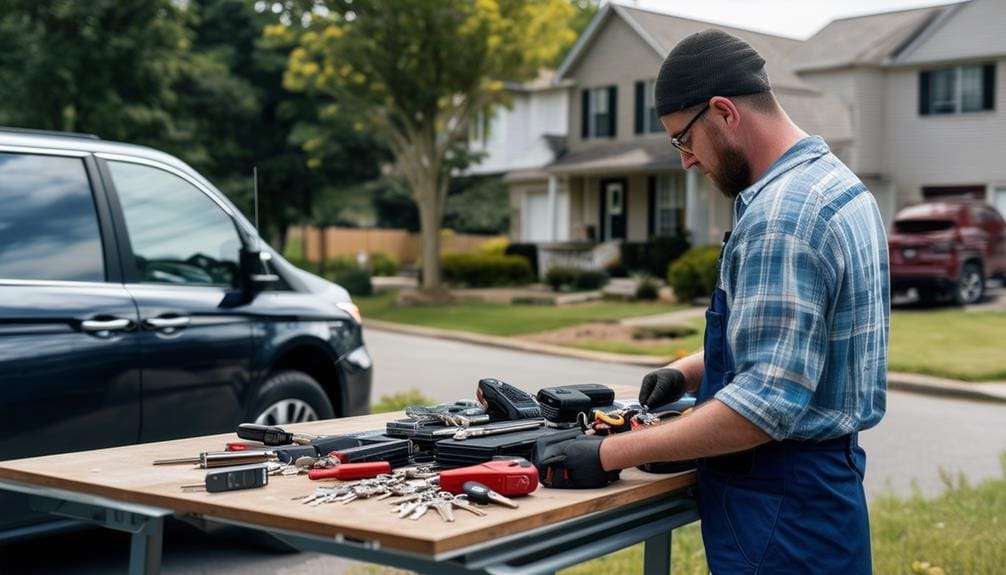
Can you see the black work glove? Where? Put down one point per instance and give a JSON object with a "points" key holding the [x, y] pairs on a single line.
{"points": [[571, 463], [662, 386]]}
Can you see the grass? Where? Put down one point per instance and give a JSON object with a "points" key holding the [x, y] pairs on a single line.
{"points": [[961, 531], [949, 343], [501, 319], [401, 400]]}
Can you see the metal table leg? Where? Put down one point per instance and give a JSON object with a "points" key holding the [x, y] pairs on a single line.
{"points": [[657, 555]]}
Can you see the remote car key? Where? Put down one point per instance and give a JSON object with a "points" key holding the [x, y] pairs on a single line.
{"points": [[479, 493], [234, 478], [505, 402]]}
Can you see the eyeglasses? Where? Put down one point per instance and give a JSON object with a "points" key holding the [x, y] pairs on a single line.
{"points": [[678, 140]]}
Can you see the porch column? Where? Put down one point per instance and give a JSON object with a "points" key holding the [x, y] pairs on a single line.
{"points": [[693, 211], [553, 192]]}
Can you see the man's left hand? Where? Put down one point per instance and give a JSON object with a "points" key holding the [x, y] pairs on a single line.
{"points": [[573, 464]]}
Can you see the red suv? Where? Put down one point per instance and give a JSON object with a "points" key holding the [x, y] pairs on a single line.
{"points": [[947, 247]]}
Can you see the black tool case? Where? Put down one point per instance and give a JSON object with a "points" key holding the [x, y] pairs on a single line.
{"points": [[452, 453]]}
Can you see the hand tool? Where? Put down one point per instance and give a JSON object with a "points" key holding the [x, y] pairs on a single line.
{"points": [[479, 493], [244, 477], [497, 429], [347, 471], [208, 459], [243, 445], [505, 402], [272, 435], [507, 475]]}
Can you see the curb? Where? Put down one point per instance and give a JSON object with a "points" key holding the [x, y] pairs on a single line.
{"points": [[910, 382]]}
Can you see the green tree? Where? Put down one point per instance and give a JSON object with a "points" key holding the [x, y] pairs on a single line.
{"points": [[105, 66], [417, 71]]}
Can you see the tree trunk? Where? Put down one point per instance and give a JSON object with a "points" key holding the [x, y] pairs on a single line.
{"points": [[430, 217]]}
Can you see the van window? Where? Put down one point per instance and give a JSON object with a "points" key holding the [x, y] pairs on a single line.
{"points": [[48, 222], [178, 234]]}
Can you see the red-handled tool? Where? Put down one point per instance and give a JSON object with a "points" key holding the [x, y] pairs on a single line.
{"points": [[351, 471], [506, 476]]}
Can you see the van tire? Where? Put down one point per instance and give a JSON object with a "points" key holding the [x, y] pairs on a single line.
{"points": [[289, 396]]}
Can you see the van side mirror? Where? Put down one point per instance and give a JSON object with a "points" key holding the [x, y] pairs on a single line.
{"points": [[255, 273]]}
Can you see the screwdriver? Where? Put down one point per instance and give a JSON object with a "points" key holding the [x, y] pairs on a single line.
{"points": [[478, 493], [208, 459], [272, 435]]}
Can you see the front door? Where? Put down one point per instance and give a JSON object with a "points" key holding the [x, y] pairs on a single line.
{"points": [[614, 208], [181, 268]]}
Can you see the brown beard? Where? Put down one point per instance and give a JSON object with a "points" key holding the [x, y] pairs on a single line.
{"points": [[733, 172]]}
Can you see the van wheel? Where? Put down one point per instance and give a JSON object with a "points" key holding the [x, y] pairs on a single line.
{"points": [[289, 396], [971, 286]]}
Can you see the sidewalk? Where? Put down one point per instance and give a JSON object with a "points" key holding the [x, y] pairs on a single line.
{"points": [[993, 392]]}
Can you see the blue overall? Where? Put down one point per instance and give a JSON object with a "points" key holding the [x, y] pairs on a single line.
{"points": [[785, 506]]}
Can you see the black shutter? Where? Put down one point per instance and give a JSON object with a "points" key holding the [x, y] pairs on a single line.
{"points": [[613, 111], [924, 93], [651, 209], [585, 114], [989, 87], [602, 212], [640, 107]]}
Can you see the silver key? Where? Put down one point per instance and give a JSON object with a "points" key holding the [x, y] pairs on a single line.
{"points": [[406, 508], [421, 510], [445, 508], [461, 502]]}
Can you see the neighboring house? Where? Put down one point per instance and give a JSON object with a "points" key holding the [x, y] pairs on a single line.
{"points": [[526, 135], [619, 178], [910, 100], [925, 88]]}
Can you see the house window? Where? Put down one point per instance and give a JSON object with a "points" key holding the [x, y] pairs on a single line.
{"points": [[668, 205], [599, 110], [647, 121], [958, 89]]}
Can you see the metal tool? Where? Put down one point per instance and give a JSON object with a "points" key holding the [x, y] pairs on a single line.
{"points": [[496, 429], [209, 459], [479, 493]]}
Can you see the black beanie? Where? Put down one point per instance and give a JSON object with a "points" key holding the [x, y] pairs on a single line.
{"points": [[706, 64]]}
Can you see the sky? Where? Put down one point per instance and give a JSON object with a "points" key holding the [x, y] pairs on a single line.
{"points": [[793, 18]]}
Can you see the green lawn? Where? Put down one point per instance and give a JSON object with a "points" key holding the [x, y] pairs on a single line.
{"points": [[500, 319], [675, 348], [949, 343]]}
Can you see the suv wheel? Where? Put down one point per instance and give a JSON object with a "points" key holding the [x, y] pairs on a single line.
{"points": [[971, 285], [289, 397]]}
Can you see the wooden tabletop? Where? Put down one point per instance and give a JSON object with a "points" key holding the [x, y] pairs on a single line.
{"points": [[126, 474]]}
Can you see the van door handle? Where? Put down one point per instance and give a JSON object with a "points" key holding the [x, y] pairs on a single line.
{"points": [[166, 323], [94, 325]]}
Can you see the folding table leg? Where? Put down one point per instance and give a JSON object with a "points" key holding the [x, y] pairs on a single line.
{"points": [[657, 555], [145, 548]]}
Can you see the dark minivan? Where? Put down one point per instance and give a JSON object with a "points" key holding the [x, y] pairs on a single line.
{"points": [[137, 304]]}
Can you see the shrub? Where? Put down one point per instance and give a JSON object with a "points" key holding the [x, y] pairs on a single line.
{"points": [[382, 264], [561, 277], [494, 247], [527, 251], [339, 264], [356, 281], [647, 289], [591, 280], [654, 255], [694, 273], [478, 270]]}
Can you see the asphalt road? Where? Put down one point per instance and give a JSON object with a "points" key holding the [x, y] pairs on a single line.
{"points": [[919, 436]]}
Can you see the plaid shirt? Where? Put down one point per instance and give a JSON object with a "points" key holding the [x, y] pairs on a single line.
{"points": [[806, 277]]}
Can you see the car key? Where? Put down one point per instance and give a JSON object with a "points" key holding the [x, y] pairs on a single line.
{"points": [[508, 476], [233, 479], [479, 493], [272, 435]]}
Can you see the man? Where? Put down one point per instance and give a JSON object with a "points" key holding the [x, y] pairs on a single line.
{"points": [[795, 356]]}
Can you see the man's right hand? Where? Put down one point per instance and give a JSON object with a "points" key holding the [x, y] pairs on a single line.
{"points": [[662, 386]]}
